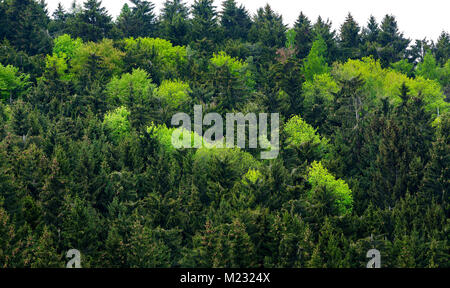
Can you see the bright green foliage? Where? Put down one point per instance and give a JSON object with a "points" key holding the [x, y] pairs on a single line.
{"points": [[236, 67], [290, 38], [221, 59], [301, 133], [65, 45], [322, 86], [318, 176], [60, 63], [111, 59], [117, 123], [404, 67], [428, 68], [12, 83], [167, 58], [380, 83], [137, 84], [175, 93], [164, 136], [252, 176], [315, 62]]}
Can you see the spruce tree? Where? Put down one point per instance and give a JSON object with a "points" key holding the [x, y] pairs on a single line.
{"points": [[442, 51], [235, 20], [268, 28], [303, 36], [91, 24], [204, 21], [175, 25], [349, 38], [393, 44], [324, 30]]}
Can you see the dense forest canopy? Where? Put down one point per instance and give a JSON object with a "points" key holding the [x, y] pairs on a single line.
{"points": [[87, 163]]}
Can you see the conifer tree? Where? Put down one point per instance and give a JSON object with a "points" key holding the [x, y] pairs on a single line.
{"points": [[324, 30], [204, 21], [442, 52], [235, 20], [268, 28], [349, 38], [92, 23], [393, 44], [303, 36], [175, 25]]}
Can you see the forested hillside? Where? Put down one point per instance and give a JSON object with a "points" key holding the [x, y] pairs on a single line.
{"points": [[86, 162]]}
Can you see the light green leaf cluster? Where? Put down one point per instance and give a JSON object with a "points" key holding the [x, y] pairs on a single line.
{"points": [[168, 57], [322, 86], [380, 83], [111, 57], [120, 88], [403, 66], [174, 92], [251, 176], [242, 161], [60, 63], [319, 176], [164, 136], [64, 49], [315, 62], [117, 123], [65, 46], [300, 133], [236, 66], [290, 38], [12, 82]]}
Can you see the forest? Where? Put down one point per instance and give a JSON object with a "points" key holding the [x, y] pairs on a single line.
{"points": [[87, 163]]}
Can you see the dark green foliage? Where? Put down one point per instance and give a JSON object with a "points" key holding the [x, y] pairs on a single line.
{"points": [[235, 20], [325, 30], [26, 25], [268, 28], [174, 25], [303, 36], [137, 21], [92, 23], [350, 38], [393, 44], [86, 160], [204, 21]]}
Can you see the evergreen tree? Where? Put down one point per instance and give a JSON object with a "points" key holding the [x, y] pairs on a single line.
{"points": [[436, 183], [303, 36], [92, 23], [26, 26], [350, 38], [443, 48], [204, 21], [324, 30], [369, 37], [393, 44], [235, 21], [58, 24], [175, 25], [268, 28], [139, 21]]}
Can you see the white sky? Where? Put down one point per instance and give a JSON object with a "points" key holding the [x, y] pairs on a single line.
{"points": [[417, 19]]}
